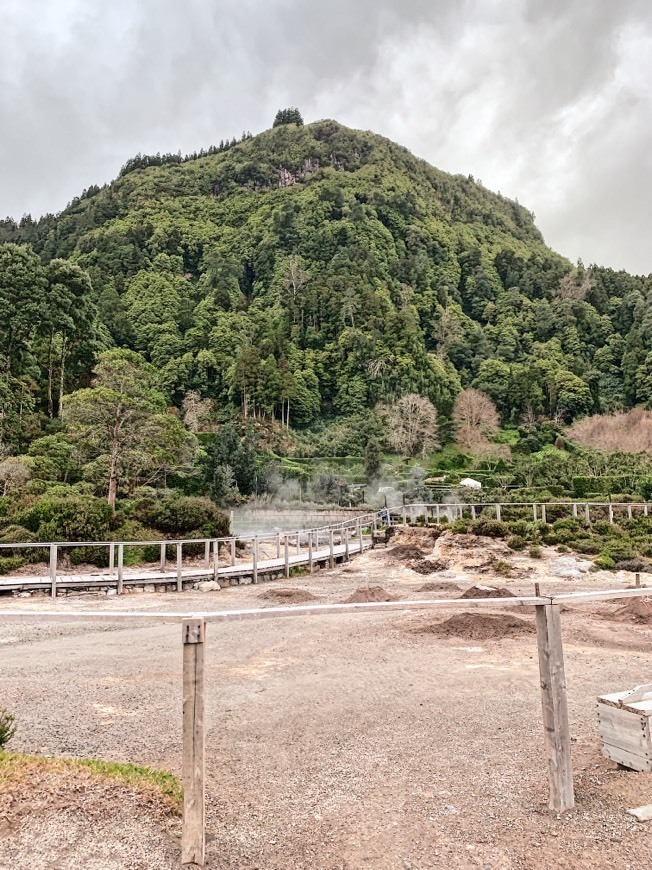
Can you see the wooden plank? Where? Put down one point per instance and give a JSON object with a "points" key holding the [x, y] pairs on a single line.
{"points": [[570, 597], [617, 717], [628, 759], [554, 706], [193, 766], [626, 740], [644, 708], [179, 567]]}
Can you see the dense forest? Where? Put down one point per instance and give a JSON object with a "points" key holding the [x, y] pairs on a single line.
{"points": [[286, 291]]}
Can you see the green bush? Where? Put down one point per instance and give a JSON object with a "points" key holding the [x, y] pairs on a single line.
{"points": [[517, 542], [10, 563], [534, 552], [461, 527], [489, 528], [619, 550], [586, 546], [70, 517], [180, 516], [605, 562], [572, 523], [7, 727]]}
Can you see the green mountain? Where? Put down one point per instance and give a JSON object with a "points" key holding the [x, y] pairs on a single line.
{"points": [[308, 273]]}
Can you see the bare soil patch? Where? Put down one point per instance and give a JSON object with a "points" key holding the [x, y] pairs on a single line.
{"points": [[478, 626], [407, 552], [428, 566], [481, 591], [369, 593], [444, 587], [288, 596]]}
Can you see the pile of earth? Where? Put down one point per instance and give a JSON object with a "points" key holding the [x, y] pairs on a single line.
{"points": [[367, 594], [478, 626], [289, 596], [637, 610], [407, 552], [481, 591]]}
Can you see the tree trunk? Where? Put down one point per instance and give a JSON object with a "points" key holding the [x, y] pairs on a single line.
{"points": [[50, 375], [61, 376], [113, 476]]}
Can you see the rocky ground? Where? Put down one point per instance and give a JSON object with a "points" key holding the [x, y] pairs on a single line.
{"points": [[397, 740]]}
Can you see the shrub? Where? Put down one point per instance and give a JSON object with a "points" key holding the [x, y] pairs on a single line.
{"points": [[571, 523], [562, 548], [181, 515], [605, 562], [7, 727], [500, 567], [489, 528], [10, 563], [534, 552], [70, 517], [586, 546], [619, 550], [636, 565], [460, 527], [516, 542]]}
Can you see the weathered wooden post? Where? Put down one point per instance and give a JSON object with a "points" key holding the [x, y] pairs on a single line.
{"points": [[374, 523], [574, 509], [544, 518], [254, 558], [179, 566], [644, 510], [345, 532], [534, 512], [472, 511], [232, 552], [310, 566], [611, 513], [207, 554], [298, 543], [278, 546], [53, 570], [629, 511], [163, 557], [111, 558], [286, 551], [404, 516], [555, 708], [437, 514], [121, 562], [587, 512], [194, 813], [216, 559], [497, 508], [360, 535]]}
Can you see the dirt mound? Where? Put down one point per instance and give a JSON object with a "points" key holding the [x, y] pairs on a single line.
{"points": [[288, 596], [427, 566], [441, 586], [636, 610], [407, 552], [479, 626], [369, 593], [481, 591]]}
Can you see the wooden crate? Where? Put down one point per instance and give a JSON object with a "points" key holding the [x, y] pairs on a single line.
{"points": [[625, 720]]}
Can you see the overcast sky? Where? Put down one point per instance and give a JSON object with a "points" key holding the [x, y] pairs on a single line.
{"points": [[548, 101]]}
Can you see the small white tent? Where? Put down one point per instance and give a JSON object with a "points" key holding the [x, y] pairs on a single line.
{"points": [[472, 484]]}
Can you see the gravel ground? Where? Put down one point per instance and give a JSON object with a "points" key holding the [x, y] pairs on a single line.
{"points": [[342, 741]]}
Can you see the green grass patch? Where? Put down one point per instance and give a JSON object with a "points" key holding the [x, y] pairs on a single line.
{"points": [[15, 765]]}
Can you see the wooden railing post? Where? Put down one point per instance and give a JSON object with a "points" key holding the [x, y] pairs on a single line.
{"points": [[194, 814], [574, 509], [111, 558], [629, 511], [534, 512], [360, 535], [278, 546], [286, 556], [404, 516], [644, 510], [254, 558], [544, 518], [346, 543], [497, 507], [179, 566], [310, 565], [587, 512], [232, 552], [555, 708], [472, 511], [163, 557], [53, 570], [207, 554], [437, 513], [611, 513], [121, 562], [331, 547], [298, 543], [216, 559]]}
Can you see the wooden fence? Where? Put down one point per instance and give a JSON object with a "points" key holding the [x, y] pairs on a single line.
{"points": [[556, 731]]}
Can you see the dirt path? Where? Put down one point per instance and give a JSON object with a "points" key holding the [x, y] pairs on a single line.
{"points": [[348, 742]]}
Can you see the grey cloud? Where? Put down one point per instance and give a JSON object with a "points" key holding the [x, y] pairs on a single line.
{"points": [[547, 100]]}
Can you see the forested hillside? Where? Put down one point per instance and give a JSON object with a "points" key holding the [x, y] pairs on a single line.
{"points": [[302, 276]]}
